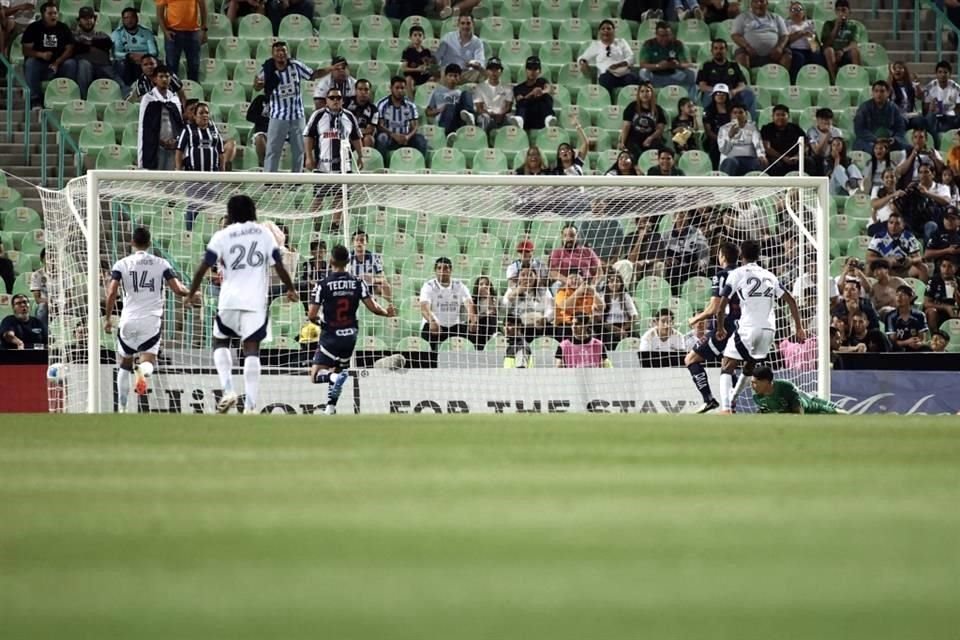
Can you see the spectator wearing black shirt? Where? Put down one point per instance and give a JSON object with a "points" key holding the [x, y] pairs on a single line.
{"points": [[906, 326], [20, 330], [643, 122], [144, 84], [365, 112], [534, 104], [720, 70], [780, 139], [684, 127], [943, 294], [415, 61], [666, 165], [852, 302], [946, 243], [92, 53], [719, 10], [48, 48], [7, 274]]}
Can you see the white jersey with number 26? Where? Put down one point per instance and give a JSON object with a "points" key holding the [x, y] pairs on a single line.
{"points": [[246, 251], [142, 276], [758, 290]]}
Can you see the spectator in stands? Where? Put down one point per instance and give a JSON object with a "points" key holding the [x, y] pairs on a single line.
{"points": [[533, 163], [493, 101], [920, 154], [570, 160], [946, 243], [644, 248], [602, 231], [131, 42], [883, 292], [880, 163], [643, 122], [280, 79], [845, 176], [14, 18], [716, 115], [740, 145], [623, 166], [368, 266], [719, 70], [949, 180], [258, 115], [853, 269], [853, 301], [620, 311], [237, 9], [416, 61], [365, 112], [38, 287], [663, 336], [802, 40], [534, 104], [144, 84], [48, 49], [397, 121], [686, 127], [464, 49], [161, 121], [314, 269], [441, 301], [92, 53], [487, 302], [581, 349], [879, 119], [450, 105], [818, 141], [899, 247], [953, 155], [7, 274], [924, 202], [719, 10], [687, 251], [641, 10], [664, 61], [942, 298], [572, 257], [527, 261], [199, 146], [940, 98], [906, 326], [576, 297], [841, 38], [761, 37], [530, 302], [939, 341], [183, 26], [336, 76], [611, 56], [859, 331], [904, 91], [780, 142], [805, 281], [20, 330], [666, 165], [277, 10]]}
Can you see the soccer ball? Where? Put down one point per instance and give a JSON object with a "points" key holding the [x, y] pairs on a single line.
{"points": [[56, 372]]}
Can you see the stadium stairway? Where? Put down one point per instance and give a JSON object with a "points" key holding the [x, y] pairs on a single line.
{"points": [[901, 47]]}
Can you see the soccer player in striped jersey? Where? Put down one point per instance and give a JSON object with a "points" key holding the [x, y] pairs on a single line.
{"points": [[142, 275], [334, 306], [781, 396], [758, 291], [245, 251], [712, 348]]}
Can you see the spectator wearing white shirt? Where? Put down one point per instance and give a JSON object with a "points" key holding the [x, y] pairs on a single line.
{"points": [[612, 57], [493, 101], [336, 76], [530, 302], [663, 336], [818, 140], [741, 149], [761, 37], [940, 97], [462, 47], [441, 300]]}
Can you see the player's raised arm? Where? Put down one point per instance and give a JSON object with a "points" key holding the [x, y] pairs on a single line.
{"points": [[795, 312]]}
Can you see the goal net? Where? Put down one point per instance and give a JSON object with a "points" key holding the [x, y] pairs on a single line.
{"points": [[580, 289]]}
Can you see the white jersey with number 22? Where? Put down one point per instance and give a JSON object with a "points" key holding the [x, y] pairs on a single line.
{"points": [[758, 290], [246, 251]]}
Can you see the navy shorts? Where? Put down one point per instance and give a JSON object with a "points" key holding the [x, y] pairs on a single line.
{"points": [[335, 351], [711, 348]]}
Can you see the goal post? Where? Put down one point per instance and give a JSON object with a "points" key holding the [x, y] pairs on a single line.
{"points": [[478, 222]]}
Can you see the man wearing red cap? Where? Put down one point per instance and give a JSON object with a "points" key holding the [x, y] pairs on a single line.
{"points": [[525, 248]]}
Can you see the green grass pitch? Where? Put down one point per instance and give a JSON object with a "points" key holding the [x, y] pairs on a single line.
{"points": [[423, 528]]}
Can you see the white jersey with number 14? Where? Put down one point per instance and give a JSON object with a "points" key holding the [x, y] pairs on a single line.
{"points": [[758, 290], [142, 276], [246, 251]]}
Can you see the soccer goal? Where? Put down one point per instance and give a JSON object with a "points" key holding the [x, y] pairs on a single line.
{"points": [[580, 288]]}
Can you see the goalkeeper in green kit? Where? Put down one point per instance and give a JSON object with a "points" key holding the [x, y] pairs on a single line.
{"points": [[781, 396]]}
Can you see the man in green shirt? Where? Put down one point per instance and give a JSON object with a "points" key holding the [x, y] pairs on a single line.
{"points": [[840, 38], [664, 61], [781, 396]]}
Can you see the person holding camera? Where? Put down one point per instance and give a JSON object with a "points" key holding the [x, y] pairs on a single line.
{"points": [[900, 248], [924, 202], [919, 155]]}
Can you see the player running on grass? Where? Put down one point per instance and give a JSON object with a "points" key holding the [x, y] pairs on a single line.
{"points": [[246, 250], [781, 396], [142, 275], [758, 291], [334, 306]]}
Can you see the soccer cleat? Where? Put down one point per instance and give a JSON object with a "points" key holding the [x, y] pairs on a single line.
{"points": [[330, 410], [228, 401], [467, 118], [140, 383], [709, 405]]}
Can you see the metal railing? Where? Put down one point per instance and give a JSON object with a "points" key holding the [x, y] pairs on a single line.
{"points": [[65, 140], [15, 77], [942, 25]]}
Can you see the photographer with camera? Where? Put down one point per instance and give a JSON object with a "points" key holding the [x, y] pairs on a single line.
{"points": [[899, 247], [924, 202], [919, 155]]}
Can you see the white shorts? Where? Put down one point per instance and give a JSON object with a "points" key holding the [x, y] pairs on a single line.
{"points": [[240, 323], [749, 344], [138, 335]]}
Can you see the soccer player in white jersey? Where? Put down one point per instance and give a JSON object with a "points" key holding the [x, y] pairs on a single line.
{"points": [[245, 251], [758, 291], [142, 275]]}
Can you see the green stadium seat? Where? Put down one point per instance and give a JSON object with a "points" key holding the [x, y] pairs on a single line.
{"points": [[357, 9], [595, 11], [571, 77], [295, 29], [76, 114], [874, 58], [695, 163], [21, 220], [557, 13], [853, 79], [21, 286], [129, 135], [314, 52], [592, 99], [647, 159], [858, 206], [510, 140], [813, 78], [115, 157], [404, 32], [436, 138], [515, 53], [535, 31], [469, 140], [378, 73], [626, 96], [554, 55], [654, 291], [102, 92], [773, 77], [389, 52], [721, 30], [230, 52], [59, 93], [213, 72], [10, 198], [951, 327], [407, 160], [832, 97], [857, 246], [837, 248], [225, 96], [441, 244], [495, 31], [447, 160], [354, 49], [796, 99], [254, 27], [218, 27], [694, 32], [335, 29], [516, 10], [456, 344], [33, 243], [844, 227], [376, 29], [490, 162], [412, 343], [484, 245], [697, 291], [237, 116], [244, 75], [95, 136]]}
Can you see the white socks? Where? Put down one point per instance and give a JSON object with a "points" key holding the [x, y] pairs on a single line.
{"points": [[726, 391], [251, 380], [223, 361], [123, 387]]}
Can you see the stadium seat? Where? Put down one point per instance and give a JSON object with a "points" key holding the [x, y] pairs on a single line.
{"points": [[858, 206], [695, 163], [647, 159], [376, 28], [874, 58], [230, 52], [654, 291], [510, 140], [21, 220], [295, 29], [412, 343], [218, 27], [406, 160], [378, 73], [535, 31], [10, 198], [592, 99], [853, 79], [796, 99], [697, 291], [464, 227], [456, 345], [545, 347], [33, 243], [772, 76], [356, 9], [224, 97], [440, 244], [447, 160], [557, 13], [554, 55], [516, 10], [404, 32], [313, 52], [495, 31], [595, 11], [951, 327], [115, 157], [573, 78], [484, 245], [95, 136], [490, 162], [577, 32], [813, 78], [254, 27], [354, 49], [627, 95], [857, 247], [832, 97], [515, 53], [694, 32], [469, 140], [843, 228], [76, 114], [102, 92], [631, 345], [335, 29], [129, 135], [60, 92]]}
